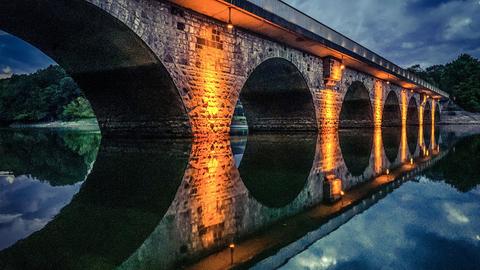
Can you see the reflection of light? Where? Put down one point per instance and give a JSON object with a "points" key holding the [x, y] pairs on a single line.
{"points": [[329, 149], [388, 172], [210, 166], [411, 161], [403, 139], [377, 104], [403, 143], [432, 133], [377, 149], [421, 142]]}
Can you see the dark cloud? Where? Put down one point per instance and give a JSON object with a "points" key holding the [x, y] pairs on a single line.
{"points": [[406, 32]]}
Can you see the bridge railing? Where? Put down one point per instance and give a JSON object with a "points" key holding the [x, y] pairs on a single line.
{"points": [[299, 18]]}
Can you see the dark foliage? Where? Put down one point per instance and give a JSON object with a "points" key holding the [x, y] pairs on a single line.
{"points": [[460, 78], [46, 95]]}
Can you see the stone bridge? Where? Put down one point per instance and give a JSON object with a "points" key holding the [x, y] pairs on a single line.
{"points": [[178, 68]]}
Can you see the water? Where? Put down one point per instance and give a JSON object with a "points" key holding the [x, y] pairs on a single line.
{"points": [[391, 198]]}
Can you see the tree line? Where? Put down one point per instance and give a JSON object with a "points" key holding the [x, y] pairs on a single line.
{"points": [[459, 78], [46, 95]]}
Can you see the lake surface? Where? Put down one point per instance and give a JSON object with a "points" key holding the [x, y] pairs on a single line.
{"points": [[354, 199]]}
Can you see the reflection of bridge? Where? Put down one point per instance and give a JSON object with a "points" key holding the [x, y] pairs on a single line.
{"points": [[174, 67], [131, 202]]}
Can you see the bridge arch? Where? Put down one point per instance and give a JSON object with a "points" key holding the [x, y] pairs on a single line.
{"points": [[356, 108], [106, 59], [391, 116], [427, 123], [412, 122], [276, 97]]}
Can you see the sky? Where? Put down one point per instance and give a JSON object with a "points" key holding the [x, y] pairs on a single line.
{"points": [[407, 32], [424, 225]]}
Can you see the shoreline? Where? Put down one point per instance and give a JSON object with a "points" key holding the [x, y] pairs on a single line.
{"points": [[83, 124]]}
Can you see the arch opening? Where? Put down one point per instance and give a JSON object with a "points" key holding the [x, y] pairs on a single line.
{"points": [[129, 88], [392, 116], [356, 107], [276, 97]]}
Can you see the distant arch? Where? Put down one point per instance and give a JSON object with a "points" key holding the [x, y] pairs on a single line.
{"points": [[276, 97], [356, 107], [412, 122]]}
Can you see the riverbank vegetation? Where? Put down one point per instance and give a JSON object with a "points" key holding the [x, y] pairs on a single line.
{"points": [[44, 96], [460, 78]]}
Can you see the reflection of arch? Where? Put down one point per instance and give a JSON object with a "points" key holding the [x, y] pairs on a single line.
{"points": [[427, 114], [427, 123], [391, 143], [437, 113], [412, 138], [391, 111], [412, 112], [129, 190], [127, 86], [276, 97], [275, 168], [356, 107], [356, 148]]}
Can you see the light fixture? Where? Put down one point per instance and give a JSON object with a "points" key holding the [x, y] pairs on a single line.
{"points": [[342, 66], [411, 161], [229, 24], [388, 171]]}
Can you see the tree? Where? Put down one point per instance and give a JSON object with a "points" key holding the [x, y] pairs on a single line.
{"points": [[42, 96], [460, 78]]}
